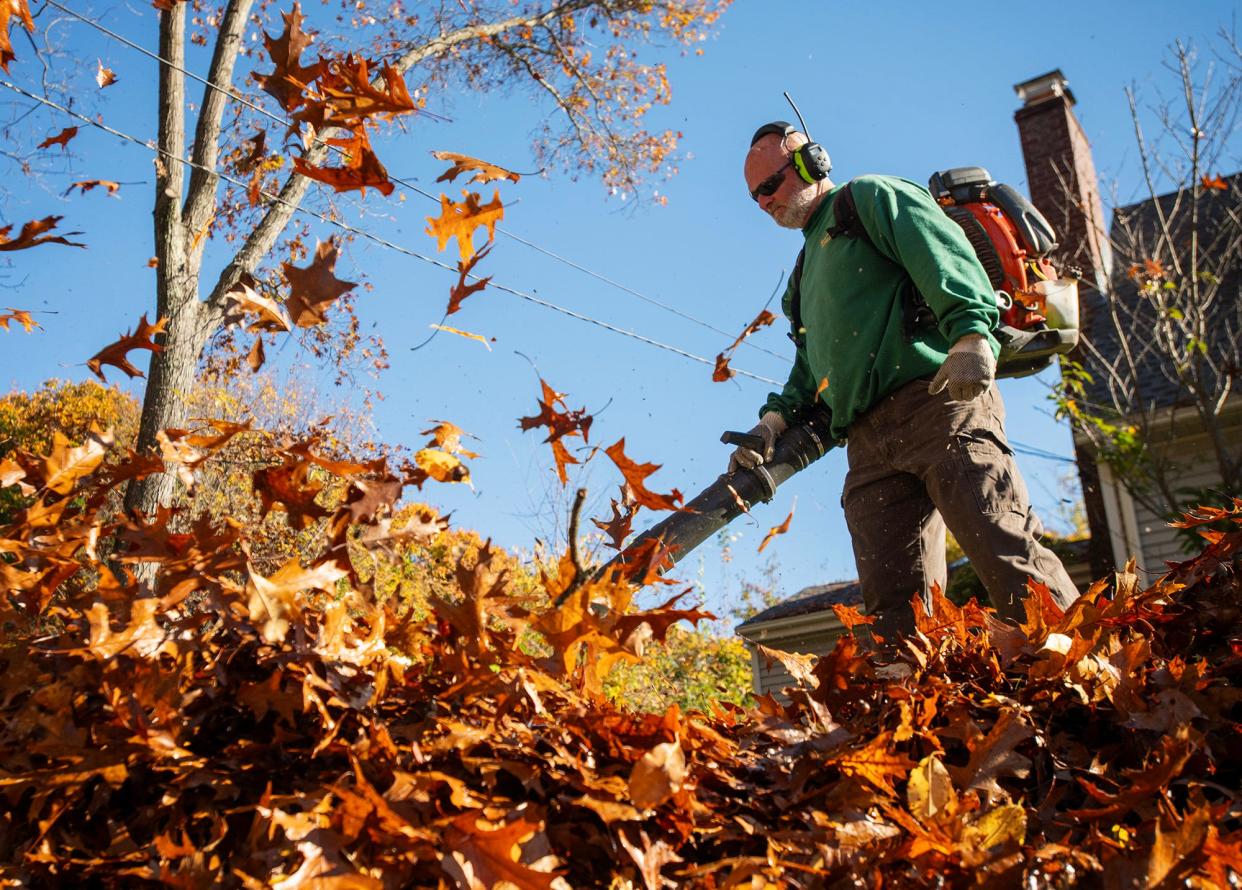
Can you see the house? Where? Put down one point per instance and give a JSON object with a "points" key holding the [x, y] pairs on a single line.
{"points": [[1063, 185]]}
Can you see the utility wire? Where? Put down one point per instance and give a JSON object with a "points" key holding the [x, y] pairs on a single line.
{"points": [[233, 94], [383, 242]]}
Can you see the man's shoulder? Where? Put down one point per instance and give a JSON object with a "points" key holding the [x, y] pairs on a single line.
{"points": [[874, 185]]}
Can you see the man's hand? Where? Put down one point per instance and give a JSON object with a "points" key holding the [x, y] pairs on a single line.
{"points": [[770, 426], [968, 371]]}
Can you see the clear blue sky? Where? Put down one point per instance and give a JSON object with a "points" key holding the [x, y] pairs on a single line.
{"points": [[902, 87]]}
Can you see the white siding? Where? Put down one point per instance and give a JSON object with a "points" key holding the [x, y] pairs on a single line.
{"points": [[815, 637]]}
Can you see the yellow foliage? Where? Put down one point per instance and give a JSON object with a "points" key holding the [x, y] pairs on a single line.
{"points": [[30, 421]]}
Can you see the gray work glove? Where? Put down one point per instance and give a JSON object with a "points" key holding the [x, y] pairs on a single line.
{"points": [[968, 371], [770, 426]]}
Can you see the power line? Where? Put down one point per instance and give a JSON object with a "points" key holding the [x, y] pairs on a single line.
{"points": [[233, 94], [383, 242]]}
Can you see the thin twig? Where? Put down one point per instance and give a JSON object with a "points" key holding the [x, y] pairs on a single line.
{"points": [[580, 571]]}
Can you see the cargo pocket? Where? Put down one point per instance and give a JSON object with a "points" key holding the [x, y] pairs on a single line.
{"points": [[987, 466]]}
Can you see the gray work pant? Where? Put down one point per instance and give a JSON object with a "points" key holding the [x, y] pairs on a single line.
{"points": [[918, 462]]}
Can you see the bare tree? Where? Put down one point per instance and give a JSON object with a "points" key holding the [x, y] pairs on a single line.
{"points": [[1164, 343]]}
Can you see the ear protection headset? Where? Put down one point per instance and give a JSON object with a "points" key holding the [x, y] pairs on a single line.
{"points": [[810, 160]]}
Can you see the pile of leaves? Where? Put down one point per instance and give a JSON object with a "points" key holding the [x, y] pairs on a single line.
{"points": [[226, 727]]}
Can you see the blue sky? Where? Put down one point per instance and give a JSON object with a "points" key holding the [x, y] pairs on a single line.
{"points": [[903, 88]]}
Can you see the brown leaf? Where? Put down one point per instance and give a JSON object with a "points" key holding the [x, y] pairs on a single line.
{"points": [[255, 357], [116, 354], [483, 171], [87, 184], [461, 290], [362, 171], [778, 529], [850, 617], [21, 316], [32, 234], [876, 762], [635, 474], [618, 527], [658, 775], [722, 371], [62, 139], [105, 77], [561, 424], [315, 288], [993, 757], [460, 220], [65, 465], [288, 81], [243, 300], [458, 332], [21, 9], [494, 855], [344, 95], [930, 792]]}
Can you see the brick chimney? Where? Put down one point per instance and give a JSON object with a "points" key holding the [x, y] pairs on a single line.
{"points": [[1061, 175], [1063, 186]]}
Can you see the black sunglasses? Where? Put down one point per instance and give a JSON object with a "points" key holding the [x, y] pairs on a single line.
{"points": [[772, 183]]}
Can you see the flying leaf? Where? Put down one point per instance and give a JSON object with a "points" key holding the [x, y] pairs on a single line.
{"points": [[722, 372], [560, 424], [116, 354], [105, 77], [461, 290], [447, 435], [363, 171], [461, 333], [460, 220], [62, 138], [65, 465], [21, 316], [1216, 183], [635, 473], [618, 527], [314, 288], [778, 529], [243, 300], [87, 184], [256, 356], [849, 616], [32, 235], [344, 95], [18, 8], [287, 83], [483, 171]]}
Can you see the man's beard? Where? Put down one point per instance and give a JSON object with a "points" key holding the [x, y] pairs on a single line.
{"points": [[794, 213]]}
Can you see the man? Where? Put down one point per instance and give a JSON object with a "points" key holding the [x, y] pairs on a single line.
{"points": [[917, 404]]}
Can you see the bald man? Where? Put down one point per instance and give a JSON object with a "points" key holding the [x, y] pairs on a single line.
{"points": [[909, 383]]}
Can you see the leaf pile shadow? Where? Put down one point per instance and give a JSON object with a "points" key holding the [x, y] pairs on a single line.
{"points": [[234, 729]]}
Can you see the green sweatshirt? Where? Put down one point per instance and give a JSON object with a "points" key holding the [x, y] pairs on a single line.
{"points": [[853, 301]]}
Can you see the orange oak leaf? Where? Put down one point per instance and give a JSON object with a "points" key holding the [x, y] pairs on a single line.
{"points": [[560, 424], [32, 235], [722, 372], [778, 529], [823, 385], [314, 288], [345, 96], [493, 855], [256, 356], [460, 333], [849, 616], [483, 171], [876, 762], [1216, 183], [21, 10], [21, 316], [87, 184], [461, 290], [363, 171], [287, 83], [635, 473], [447, 436], [116, 354], [460, 220], [105, 77], [658, 775], [62, 138]]}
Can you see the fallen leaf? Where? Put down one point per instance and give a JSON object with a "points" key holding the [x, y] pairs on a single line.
{"points": [[658, 775], [929, 791]]}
